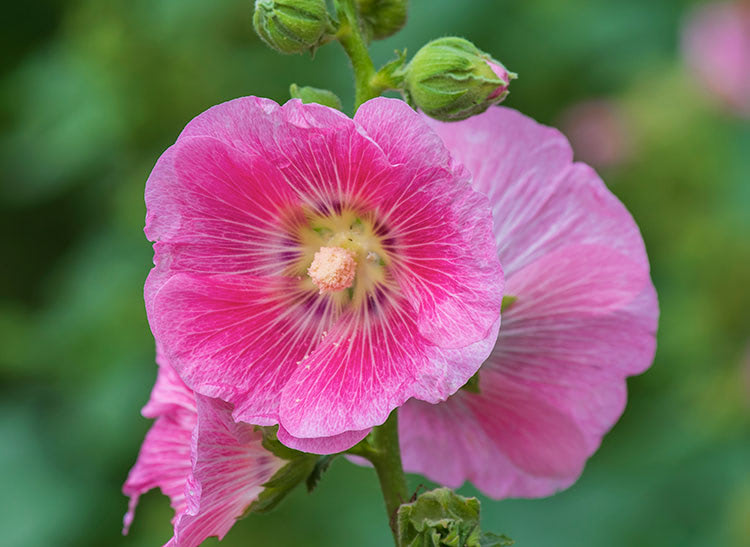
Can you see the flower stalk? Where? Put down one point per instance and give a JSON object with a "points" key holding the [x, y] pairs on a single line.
{"points": [[350, 37], [381, 448]]}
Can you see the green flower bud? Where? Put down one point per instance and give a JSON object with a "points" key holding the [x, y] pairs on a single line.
{"points": [[382, 18], [291, 26], [449, 79]]}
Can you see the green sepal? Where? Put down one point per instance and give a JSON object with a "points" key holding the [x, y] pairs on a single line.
{"points": [[443, 518], [508, 301], [309, 94], [391, 75], [488, 539], [320, 467], [472, 386], [298, 468]]}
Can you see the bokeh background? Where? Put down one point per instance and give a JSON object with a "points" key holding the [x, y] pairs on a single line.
{"points": [[93, 91]]}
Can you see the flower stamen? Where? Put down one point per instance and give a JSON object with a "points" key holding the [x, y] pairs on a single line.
{"points": [[332, 269]]}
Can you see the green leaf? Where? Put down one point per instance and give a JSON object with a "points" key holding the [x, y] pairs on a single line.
{"points": [[443, 518]]}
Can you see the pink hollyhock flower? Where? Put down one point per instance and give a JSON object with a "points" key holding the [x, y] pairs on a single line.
{"points": [[599, 132], [581, 315], [211, 468], [716, 43], [317, 271]]}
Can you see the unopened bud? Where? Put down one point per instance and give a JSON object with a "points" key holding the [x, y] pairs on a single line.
{"points": [[382, 18], [450, 79], [291, 26]]}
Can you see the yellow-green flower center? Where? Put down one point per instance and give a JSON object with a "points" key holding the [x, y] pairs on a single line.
{"points": [[342, 254]]}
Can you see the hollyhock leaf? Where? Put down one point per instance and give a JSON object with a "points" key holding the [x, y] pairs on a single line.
{"points": [[439, 517]]}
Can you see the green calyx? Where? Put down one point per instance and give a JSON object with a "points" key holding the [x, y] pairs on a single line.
{"points": [[450, 79], [443, 518], [382, 18], [309, 94], [300, 467], [292, 26]]}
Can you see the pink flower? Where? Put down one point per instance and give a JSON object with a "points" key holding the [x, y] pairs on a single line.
{"points": [[716, 43], [581, 317], [599, 132], [211, 468], [251, 309]]}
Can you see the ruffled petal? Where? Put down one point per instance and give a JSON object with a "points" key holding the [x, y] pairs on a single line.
{"points": [[163, 462], [440, 230], [554, 384], [540, 198], [230, 467], [164, 459], [368, 364], [170, 396], [322, 445], [402, 134], [239, 338], [214, 209], [324, 155], [583, 319]]}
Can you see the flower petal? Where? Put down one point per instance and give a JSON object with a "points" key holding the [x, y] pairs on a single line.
{"points": [[214, 209], [164, 458], [370, 363], [540, 199], [239, 337], [230, 467], [322, 153], [322, 445], [440, 230], [554, 385]]}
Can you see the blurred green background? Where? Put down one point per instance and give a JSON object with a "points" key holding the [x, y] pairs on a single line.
{"points": [[93, 91]]}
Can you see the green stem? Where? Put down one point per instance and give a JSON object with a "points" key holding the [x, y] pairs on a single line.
{"points": [[350, 37], [382, 450]]}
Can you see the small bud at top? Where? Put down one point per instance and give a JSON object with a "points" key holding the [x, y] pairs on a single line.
{"points": [[450, 79], [291, 26], [382, 18]]}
